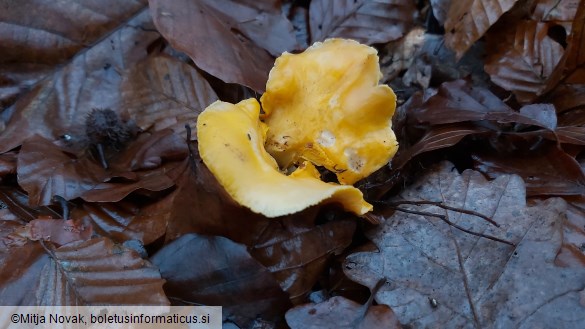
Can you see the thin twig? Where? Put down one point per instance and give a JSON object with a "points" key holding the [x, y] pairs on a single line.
{"points": [[444, 206], [444, 218]]}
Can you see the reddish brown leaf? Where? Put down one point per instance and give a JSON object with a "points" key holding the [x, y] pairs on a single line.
{"points": [[341, 313], [368, 21], [296, 253], [7, 163], [460, 101], [59, 231], [33, 42], [228, 39], [113, 220], [150, 151], [93, 272], [437, 275], [546, 171], [438, 137], [572, 253], [468, 20], [217, 271], [45, 171], [523, 61], [555, 10], [572, 65], [163, 92], [113, 192], [59, 104]]}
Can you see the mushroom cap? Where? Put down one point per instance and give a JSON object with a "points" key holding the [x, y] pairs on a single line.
{"points": [[231, 141], [325, 106]]}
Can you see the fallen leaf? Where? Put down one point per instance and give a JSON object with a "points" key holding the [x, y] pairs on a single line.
{"points": [[33, 44], [58, 105], [468, 20], [239, 36], [437, 275], [524, 59], [545, 170], [163, 92], [92, 272], [341, 313], [571, 68], [59, 231], [45, 171], [112, 192], [367, 21], [217, 271]]}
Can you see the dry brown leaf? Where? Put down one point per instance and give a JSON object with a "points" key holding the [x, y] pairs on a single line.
{"points": [[555, 10], [58, 105], [341, 313], [367, 21], [571, 68], [45, 171], [163, 92], [438, 276], [545, 170], [93, 272], [33, 42], [468, 20], [59, 231], [524, 59], [217, 271], [231, 40]]}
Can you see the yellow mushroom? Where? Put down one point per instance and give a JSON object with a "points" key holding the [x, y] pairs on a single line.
{"points": [[325, 106], [231, 141]]}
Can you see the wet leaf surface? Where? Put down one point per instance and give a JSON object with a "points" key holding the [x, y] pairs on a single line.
{"points": [[475, 281], [239, 36], [218, 271], [361, 20]]}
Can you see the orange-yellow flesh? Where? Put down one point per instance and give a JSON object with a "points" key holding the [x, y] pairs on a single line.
{"points": [[231, 144], [325, 106]]}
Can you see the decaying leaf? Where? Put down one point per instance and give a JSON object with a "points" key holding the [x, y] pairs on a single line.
{"points": [[58, 231], [45, 171], [33, 42], [546, 170], [231, 40], [92, 272], [163, 92], [367, 21], [524, 59], [58, 105], [216, 271], [437, 275], [341, 313], [468, 20]]}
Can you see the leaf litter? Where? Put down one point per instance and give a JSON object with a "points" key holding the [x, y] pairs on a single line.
{"points": [[475, 281]]}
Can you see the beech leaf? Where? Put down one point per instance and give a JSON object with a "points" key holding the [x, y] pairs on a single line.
{"points": [[163, 92], [217, 271], [58, 105], [468, 20], [92, 272], [231, 39], [367, 21], [473, 281], [33, 42], [524, 59]]}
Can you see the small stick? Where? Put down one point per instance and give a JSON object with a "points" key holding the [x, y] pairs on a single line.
{"points": [[100, 150], [444, 206], [444, 218], [64, 206]]}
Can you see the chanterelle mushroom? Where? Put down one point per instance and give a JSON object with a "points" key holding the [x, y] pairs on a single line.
{"points": [[325, 106], [231, 143]]}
